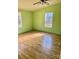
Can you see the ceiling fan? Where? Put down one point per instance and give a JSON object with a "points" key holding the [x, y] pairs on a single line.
{"points": [[42, 2]]}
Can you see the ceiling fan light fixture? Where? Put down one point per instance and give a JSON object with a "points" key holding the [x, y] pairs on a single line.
{"points": [[42, 2]]}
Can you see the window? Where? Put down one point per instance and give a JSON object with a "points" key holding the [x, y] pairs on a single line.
{"points": [[19, 20], [48, 19]]}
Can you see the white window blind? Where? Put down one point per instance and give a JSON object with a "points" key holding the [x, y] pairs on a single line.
{"points": [[19, 20], [48, 19]]}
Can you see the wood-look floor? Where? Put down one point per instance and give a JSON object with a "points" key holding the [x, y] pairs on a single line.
{"points": [[39, 45]]}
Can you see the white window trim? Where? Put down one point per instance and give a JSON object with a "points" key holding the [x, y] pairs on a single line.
{"points": [[51, 21], [19, 19]]}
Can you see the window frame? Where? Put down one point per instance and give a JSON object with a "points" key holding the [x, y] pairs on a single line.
{"points": [[51, 19], [19, 20]]}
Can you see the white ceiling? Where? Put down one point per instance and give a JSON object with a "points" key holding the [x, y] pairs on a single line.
{"points": [[28, 4]]}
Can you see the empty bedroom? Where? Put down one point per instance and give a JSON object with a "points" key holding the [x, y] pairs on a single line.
{"points": [[39, 29]]}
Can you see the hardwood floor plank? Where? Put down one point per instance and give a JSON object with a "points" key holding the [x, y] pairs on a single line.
{"points": [[39, 45]]}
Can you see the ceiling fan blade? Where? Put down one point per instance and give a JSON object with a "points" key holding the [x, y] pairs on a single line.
{"points": [[36, 3], [47, 3]]}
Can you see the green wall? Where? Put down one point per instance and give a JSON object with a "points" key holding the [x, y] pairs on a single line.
{"points": [[26, 21], [34, 20], [38, 19]]}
